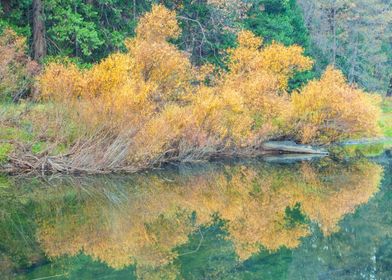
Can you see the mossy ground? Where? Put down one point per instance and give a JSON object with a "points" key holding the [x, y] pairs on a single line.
{"points": [[18, 128]]}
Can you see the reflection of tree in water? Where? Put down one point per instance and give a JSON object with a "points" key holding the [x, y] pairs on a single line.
{"points": [[142, 219], [362, 249]]}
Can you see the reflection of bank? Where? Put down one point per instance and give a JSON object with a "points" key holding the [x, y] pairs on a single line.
{"points": [[144, 218]]}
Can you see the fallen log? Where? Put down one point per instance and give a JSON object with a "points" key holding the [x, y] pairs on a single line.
{"points": [[290, 147]]}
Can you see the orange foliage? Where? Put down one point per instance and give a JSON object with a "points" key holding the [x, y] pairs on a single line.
{"points": [[16, 68]]}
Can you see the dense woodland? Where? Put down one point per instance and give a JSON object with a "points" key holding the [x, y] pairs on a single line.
{"points": [[123, 85], [353, 35]]}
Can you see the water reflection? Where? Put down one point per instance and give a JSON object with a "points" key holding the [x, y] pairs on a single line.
{"points": [[145, 220]]}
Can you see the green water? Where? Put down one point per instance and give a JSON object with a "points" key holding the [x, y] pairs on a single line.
{"points": [[246, 220]]}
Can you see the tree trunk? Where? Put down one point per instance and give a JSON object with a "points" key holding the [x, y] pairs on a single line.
{"points": [[389, 93], [6, 5], [334, 47], [134, 10], [39, 41]]}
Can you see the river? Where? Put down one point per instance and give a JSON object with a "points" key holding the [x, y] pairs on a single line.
{"points": [[318, 219]]}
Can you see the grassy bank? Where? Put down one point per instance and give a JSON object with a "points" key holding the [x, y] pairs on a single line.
{"points": [[31, 134], [386, 118]]}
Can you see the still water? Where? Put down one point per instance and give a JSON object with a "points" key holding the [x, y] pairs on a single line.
{"points": [[317, 219]]}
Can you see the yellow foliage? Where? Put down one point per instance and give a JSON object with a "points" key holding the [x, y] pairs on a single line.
{"points": [[108, 77], [284, 61], [167, 70], [260, 76], [125, 88], [330, 110], [158, 132], [243, 58], [158, 25], [276, 59], [153, 90], [61, 82], [221, 115]]}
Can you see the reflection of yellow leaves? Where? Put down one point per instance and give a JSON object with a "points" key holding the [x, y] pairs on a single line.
{"points": [[344, 191], [155, 215]]}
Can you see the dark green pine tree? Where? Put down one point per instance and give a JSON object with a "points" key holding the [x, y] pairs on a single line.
{"points": [[281, 21], [278, 20]]}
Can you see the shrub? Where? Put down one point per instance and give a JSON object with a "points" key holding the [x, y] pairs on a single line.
{"points": [[330, 109], [16, 68], [60, 82], [259, 75], [150, 104]]}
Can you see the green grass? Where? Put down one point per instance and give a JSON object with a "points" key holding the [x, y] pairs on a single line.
{"points": [[369, 150], [5, 150], [386, 120], [386, 105], [18, 124], [38, 147], [15, 133], [386, 124]]}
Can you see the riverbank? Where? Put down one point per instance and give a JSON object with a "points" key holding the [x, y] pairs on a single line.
{"points": [[26, 146], [150, 104]]}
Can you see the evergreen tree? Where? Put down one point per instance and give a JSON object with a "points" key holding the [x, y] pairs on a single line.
{"points": [[282, 21], [278, 20]]}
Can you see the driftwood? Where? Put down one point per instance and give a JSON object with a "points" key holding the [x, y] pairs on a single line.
{"points": [[290, 147]]}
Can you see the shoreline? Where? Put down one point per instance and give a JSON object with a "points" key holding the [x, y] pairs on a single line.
{"points": [[270, 151], [61, 164]]}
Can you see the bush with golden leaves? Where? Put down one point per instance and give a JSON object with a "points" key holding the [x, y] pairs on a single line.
{"points": [[330, 109], [154, 91]]}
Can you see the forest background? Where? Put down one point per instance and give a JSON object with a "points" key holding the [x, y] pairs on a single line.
{"points": [[355, 36]]}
